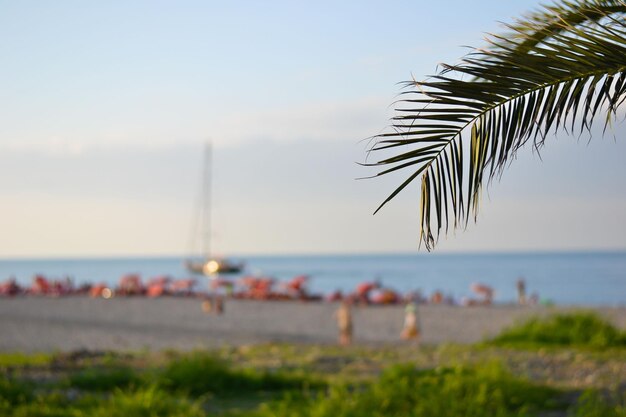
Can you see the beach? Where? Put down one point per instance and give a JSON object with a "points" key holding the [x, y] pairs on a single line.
{"points": [[41, 324]]}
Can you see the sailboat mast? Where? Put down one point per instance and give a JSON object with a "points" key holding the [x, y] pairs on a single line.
{"points": [[206, 200]]}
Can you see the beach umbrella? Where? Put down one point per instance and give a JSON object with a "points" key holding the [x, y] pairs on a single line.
{"points": [[482, 289], [10, 287], [41, 285], [156, 290], [130, 284], [100, 290], [247, 281], [365, 287], [159, 280], [337, 295], [297, 282], [385, 296], [183, 285]]}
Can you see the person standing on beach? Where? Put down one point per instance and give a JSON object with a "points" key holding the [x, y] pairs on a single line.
{"points": [[411, 330], [343, 315], [521, 291], [207, 305], [219, 305], [213, 304]]}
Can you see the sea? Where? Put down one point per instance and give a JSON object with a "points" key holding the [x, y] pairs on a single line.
{"points": [[563, 278]]}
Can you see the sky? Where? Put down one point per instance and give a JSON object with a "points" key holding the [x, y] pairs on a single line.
{"points": [[106, 107]]}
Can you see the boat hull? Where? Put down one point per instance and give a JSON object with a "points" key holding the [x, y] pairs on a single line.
{"points": [[213, 267]]}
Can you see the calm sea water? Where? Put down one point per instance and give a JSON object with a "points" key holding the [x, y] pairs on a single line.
{"points": [[597, 278]]}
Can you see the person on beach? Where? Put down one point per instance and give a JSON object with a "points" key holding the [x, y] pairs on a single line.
{"points": [[436, 297], [411, 330], [207, 305], [219, 305], [213, 304], [484, 291], [521, 291], [343, 315]]}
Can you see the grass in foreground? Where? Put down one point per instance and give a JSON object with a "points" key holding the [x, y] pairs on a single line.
{"points": [[581, 329], [403, 390], [204, 384], [572, 378], [22, 359], [199, 373]]}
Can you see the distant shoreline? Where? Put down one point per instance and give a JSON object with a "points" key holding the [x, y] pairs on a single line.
{"points": [[548, 252], [597, 279]]}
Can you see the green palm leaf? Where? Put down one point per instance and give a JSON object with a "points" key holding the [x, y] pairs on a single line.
{"points": [[555, 69]]}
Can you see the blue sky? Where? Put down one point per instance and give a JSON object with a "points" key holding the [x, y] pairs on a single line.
{"points": [[106, 106]]}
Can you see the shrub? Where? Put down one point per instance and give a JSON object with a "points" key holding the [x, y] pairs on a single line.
{"points": [[199, 373], [13, 392], [591, 404], [147, 402], [44, 405], [103, 379], [583, 329], [404, 391]]}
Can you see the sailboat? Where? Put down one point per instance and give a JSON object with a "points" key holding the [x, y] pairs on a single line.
{"points": [[210, 266]]}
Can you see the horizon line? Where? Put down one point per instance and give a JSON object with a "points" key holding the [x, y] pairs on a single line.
{"points": [[324, 254]]}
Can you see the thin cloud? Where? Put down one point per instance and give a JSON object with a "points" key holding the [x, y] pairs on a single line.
{"points": [[348, 120]]}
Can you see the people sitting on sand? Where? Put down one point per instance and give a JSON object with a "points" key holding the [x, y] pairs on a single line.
{"points": [[99, 290], [40, 286], [384, 296], [336, 295], [485, 291], [183, 286], [436, 297], [257, 288], [84, 288], [415, 297], [296, 287], [10, 287], [158, 286], [130, 284], [449, 300]]}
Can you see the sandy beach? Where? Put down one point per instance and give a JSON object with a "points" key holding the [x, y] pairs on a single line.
{"points": [[32, 324]]}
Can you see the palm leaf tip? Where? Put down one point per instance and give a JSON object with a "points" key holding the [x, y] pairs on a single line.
{"points": [[555, 69]]}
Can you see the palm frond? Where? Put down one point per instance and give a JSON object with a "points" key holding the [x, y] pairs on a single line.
{"points": [[537, 26], [554, 70]]}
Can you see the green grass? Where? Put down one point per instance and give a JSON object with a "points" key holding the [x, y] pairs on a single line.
{"points": [[581, 329], [145, 402], [486, 390], [13, 392], [592, 404], [402, 390], [199, 373], [103, 379], [318, 381], [18, 359]]}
